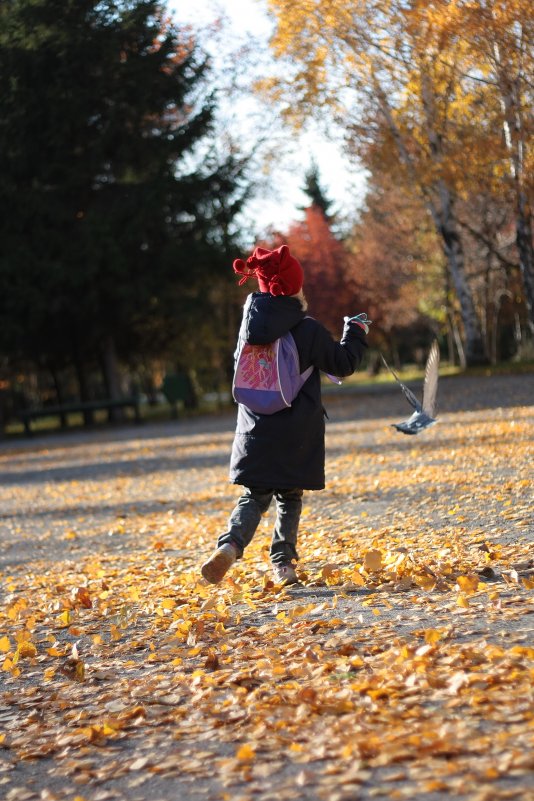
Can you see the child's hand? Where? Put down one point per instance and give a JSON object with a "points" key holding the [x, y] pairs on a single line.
{"points": [[361, 320]]}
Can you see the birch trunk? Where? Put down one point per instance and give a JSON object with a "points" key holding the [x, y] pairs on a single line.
{"points": [[475, 352], [439, 201], [516, 144]]}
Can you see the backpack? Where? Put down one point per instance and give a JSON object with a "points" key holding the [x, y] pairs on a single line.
{"points": [[267, 378]]}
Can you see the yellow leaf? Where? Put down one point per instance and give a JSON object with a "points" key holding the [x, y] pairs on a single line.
{"points": [[434, 785], [468, 584], [5, 645], [523, 650], [432, 636], [528, 583], [357, 578], [373, 560], [65, 617], [491, 773], [27, 649], [405, 652], [425, 582], [245, 753], [328, 570], [462, 601], [107, 729], [115, 633]]}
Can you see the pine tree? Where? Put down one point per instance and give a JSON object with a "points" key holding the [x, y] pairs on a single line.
{"points": [[105, 212], [314, 190]]}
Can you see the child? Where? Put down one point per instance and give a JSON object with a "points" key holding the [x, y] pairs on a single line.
{"points": [[279, 455]]}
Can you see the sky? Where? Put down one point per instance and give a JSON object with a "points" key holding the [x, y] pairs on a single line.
{"points": [[281, 203]]}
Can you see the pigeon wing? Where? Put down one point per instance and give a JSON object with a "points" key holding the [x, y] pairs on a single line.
{"points": [[430, 386], [410, 397]]}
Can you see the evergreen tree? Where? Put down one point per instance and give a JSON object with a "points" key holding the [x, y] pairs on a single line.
{"points": [[107, 193], [313, 189]]}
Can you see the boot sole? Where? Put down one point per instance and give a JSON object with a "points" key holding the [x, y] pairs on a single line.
{"points": [[215, 570]]}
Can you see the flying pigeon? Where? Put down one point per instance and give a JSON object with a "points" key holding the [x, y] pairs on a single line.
{"points": [[424, 412]]}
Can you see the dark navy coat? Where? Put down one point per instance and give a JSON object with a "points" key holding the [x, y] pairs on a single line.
{"points": [[286, 450]]}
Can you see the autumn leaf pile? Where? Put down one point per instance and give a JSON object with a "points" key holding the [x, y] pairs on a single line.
{"points": [[402, 667]]}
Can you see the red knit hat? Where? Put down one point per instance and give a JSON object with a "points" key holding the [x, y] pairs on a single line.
{"points": [[277, 271]]}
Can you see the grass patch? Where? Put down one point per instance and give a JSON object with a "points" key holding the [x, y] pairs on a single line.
{"points": [[411, 372]]}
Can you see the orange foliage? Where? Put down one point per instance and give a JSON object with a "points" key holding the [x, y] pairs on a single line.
{"points": [[331, 283]]}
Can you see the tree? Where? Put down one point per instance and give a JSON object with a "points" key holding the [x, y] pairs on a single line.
{"points": [[313, 189], [398, 262], [113, 199], [500, 34], [391, 60], [329, 282]]}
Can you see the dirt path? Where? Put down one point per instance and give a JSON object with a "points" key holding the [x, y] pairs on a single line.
{"points": [[402, 667]]}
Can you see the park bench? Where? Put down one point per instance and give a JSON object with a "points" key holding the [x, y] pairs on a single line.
{"points": [[27, 415]]}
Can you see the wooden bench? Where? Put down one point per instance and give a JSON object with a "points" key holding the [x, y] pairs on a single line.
{"points": [[27, 415]]}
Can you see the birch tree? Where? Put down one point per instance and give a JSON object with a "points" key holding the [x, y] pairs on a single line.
{"points": [[500, 37], [390, 60]]}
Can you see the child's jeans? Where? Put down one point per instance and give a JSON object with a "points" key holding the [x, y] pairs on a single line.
{"points": [[246, 517]]}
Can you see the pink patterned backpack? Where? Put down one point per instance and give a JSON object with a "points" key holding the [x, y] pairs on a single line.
{"points": [[267, 378]]}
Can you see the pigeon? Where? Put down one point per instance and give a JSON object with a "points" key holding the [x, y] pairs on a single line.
{"points": [[423, 417]]}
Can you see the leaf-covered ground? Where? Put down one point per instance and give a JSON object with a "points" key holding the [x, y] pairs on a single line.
{"points": [[402, 667]]}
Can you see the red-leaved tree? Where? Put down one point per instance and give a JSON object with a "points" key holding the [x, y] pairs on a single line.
{"points": [[330, 281]]}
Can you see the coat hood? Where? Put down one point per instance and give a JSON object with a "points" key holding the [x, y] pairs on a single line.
{"points": [[267, 317]]}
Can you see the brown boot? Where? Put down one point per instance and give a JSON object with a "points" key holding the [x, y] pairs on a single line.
{"points": [[219, 563]]}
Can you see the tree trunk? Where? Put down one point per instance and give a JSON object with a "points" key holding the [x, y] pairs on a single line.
{"points": [[83, 384], [59, 394], [439, 200], [457, 340], [515, 138], [450, 342], [453, 249], [525, 249], [110, 368]]}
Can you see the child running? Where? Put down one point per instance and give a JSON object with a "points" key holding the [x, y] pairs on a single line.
{"points": [[282, 454]]}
